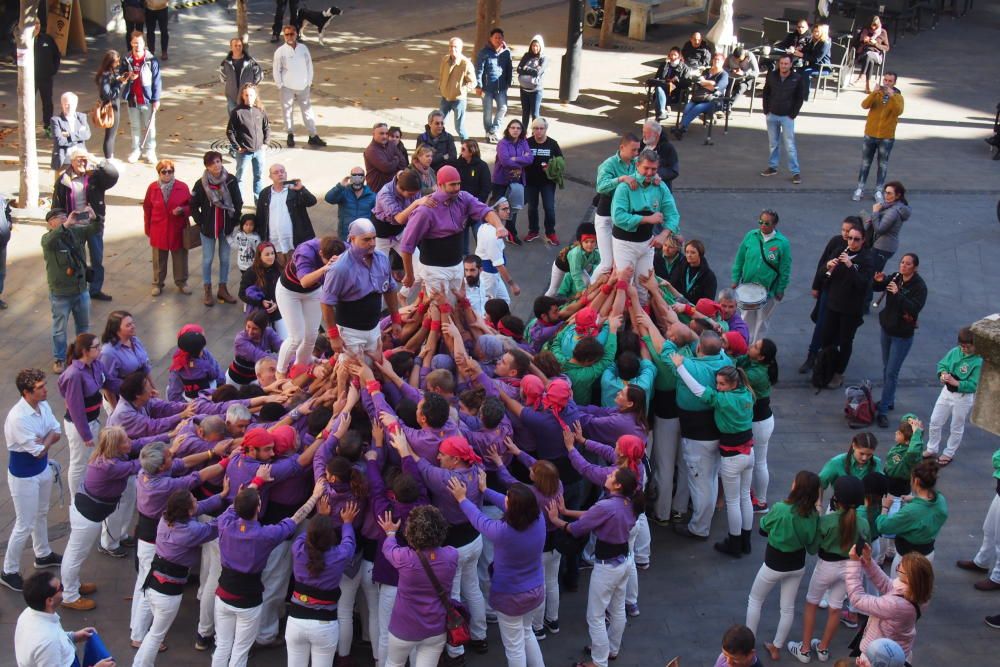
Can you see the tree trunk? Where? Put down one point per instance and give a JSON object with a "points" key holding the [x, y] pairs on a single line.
{"points": [[607, 27], [27, 149], [242, 28], [487, 18]]}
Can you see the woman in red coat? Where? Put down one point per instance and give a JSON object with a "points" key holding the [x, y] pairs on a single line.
{"points": [[166, 210]]}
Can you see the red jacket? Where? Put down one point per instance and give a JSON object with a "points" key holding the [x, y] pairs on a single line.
{"points": [[163, 228]]}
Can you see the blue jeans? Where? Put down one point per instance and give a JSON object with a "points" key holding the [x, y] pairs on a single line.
{"points": [[870, 147], [257, 160], [62, 306], [458, 106], [548, 193], [531, 106], [491, 123], [660, 100], [694, 109], [782, 128], [208, 254], [894, 351], [95, 246], [139, 117]]}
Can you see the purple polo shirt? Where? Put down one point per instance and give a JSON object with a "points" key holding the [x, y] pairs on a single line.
{"points": [[388, 203], [152, 491], [242, 469], [353, 278], [76, 382], [481, 438], [517, 554], [437, 479], [384, 572], [120, 360], [418, 612], [445, 219], [335, 561], [244, 545], [506, 479], [423, 441], [187, 440], [156, 418], [610, 519], [203, 367], [106, 479], [246, 348], [181, 543], [306, 258], [607, 424]]}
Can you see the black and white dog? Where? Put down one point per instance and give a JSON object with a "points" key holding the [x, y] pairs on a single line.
{"points": [[319, 19]]}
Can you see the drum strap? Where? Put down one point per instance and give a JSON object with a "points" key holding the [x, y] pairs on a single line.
{"points": [[763, 256]]}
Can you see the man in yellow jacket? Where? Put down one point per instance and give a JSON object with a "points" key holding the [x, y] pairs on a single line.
{"points": [[457, 76], [885, 106]]}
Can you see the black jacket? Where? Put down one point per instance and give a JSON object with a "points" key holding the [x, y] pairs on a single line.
{"points": [[784, 97], [834, 247], [696, 56], [248, 128], [704, 283], [899, 317], [249, 279], [204, 213], [297, 202], [670, 164], [443, 146], [47, 57], [476, 178], [110, 88], [100, 180], [847, 288]]}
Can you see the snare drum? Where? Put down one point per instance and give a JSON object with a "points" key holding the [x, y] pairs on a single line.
{"points": [[750, 296]]}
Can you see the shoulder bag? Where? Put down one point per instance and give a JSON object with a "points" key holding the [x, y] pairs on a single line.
{"points": [[192, 237], [103, 114], [456, 615]]}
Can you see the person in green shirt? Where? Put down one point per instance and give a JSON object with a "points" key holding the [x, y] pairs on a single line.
{"points": [[761, 366], [590, 359], [905, 455], [619, 168], [836, 534], [629, 369], [987, 559], [581, 260], [918, 522], [858, 461], [959, 372], [791, 528], [764, 258]]}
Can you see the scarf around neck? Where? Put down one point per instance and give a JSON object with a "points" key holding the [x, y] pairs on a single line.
{"points": [[217, 191]]}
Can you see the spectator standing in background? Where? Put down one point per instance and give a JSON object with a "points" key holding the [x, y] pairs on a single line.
{"points": [[236, 69], [784, 92], [47, 60], [353, 199], [293, 74], [5, 227], [494, 72], [437, 139], [109, 82], [885, 106], [382, 158], [530, 75], [248, 132], [456, 76], [142, 93], [166, 209], [654, 137], [157, 13], [537, 182], [69, 130]]}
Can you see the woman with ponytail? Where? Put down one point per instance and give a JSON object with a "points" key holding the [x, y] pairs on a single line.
{"points": [[733, 402], [319, 559], [918, 522], [838, 531], [791, 528], [858, 461], [761, 366], [628, 415]]}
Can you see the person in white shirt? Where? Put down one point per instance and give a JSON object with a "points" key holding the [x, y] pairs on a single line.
{"points": [[293, 74], [495, 277], [39, 638], [30, 431], [474, 290]]}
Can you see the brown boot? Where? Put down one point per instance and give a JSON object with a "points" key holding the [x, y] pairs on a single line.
{"points": [[207, 299], [224, 295]]}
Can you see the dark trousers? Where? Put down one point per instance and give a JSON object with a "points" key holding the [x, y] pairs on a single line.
{"points": [[838, 331], [111, 132], [531, 106], [157, 17], [818, 328], [279, 15], [95, 246], [129, 28], [548, 194], [43, 86]]}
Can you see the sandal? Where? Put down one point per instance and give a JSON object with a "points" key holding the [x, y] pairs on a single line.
{"points": [[944, 460], [773, 650]]}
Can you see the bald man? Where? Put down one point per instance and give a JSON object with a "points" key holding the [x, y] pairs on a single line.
{"points": [[352, 294]]}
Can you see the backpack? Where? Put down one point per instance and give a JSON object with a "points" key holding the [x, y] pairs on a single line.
{"points": [[824, 368], [859, 408]]}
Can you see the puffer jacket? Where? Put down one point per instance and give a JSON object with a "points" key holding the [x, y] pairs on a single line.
{"points": [[888, 221], [890, 615]]}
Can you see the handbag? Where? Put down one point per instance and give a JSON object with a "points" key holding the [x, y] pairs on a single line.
{"points": [[456, 615], [103, 115], [192, 237]]}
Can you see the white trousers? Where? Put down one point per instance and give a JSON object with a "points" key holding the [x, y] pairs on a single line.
{"points": [[989, 553], [603, 225], [368, 608], [302, 315], [386, 601], [765, 580], [30, 496], [486, 558], [494, 286], [79, 453], [639, 541], [116, 525], [637, 254], [950, 404], [701, 457], [737, 472], [83, 533], [235, 631], [606, 597], [275, 576], [426, 652], [757, 320], [358, 341], [466, 587], [142, 616], [519, 642], [555, 280], [549, 610], [762, 431], [289, 98], [211, 568], [828, 581], [443, 278], [164, 610], [345, 610], [897, 559], [307, 638], [666, 444]]}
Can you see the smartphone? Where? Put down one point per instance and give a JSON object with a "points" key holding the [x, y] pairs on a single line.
{"points": [[83, 217], [291, 182], [859, 546]]}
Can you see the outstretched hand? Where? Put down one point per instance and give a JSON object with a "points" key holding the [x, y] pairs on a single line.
{"points": [[386, 522]]}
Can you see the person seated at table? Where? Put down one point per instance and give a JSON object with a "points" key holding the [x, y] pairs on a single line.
{"points": [[706, 96], [741, 66], [697, 52], [671, 79], [816, 54], [871, 47], [795, 42]]}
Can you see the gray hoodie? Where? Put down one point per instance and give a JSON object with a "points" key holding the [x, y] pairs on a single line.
{"points": [[888, 221], [531, 69]]}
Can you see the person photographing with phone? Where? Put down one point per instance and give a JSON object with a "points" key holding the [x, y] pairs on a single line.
{"points": [[282, 217]]}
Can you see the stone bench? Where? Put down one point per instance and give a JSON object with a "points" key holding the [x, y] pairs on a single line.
{"points": [[642, 13]]}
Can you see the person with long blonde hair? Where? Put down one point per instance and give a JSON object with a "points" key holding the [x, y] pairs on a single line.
{"points": [[248, 132]]}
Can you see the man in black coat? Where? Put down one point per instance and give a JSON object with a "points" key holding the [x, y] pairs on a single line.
{"points": [[288, 226], [784, 92], [47, 60], [654, 137]]}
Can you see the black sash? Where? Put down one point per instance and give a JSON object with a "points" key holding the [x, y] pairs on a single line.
{"points": [[762, 409], [277, 512], [240, 589], [310, 602], [664, 404], [904, 546], [641, 234], [166, 577], [145, 528], [604, 204], [94, 509], [784, 561], [91, 406], [362, 314], [369, 548], [242, 371], [386, 230], [193, 387], [444, 251], [609, 550], [830, 557], [460, 534], [698, 425]]}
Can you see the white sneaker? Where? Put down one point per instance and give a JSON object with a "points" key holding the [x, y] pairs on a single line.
{"points": [[795, 648], [151, 157], [822, 655], [878, 196], [857, 195], [133, 157]]}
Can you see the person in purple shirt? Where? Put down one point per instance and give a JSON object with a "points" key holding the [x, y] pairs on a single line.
{"points": [[80, 386], [438, 232], [738, 648], [517, 582], [193, 368], [731, 314], [298, 297], [144, 417], [611, 521], [178, 542], [244, 546], [417, 623], [394, 204], [513, 155], [319, 559], [121, 353], [352, 294], [433, 417], [94, 504], [256, 341]]}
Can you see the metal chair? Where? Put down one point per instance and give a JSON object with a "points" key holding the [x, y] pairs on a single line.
{"points": [[750, 38], [774, 30], [898, 12], [840, 26], [839, 64], [726, 107], [795, 15]]}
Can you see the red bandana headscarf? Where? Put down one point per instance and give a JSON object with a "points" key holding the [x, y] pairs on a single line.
{"points": [[737, 345], [556, 398], [586, 322], [633, 449], [284, 439], [532, 389], [460, 448]]}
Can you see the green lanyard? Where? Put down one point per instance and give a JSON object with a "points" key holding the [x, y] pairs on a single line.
{"points": [[688, 282]]}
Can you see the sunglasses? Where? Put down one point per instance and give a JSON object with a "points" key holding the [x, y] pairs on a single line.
{"points": [[166, 171], [762, 221]]}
